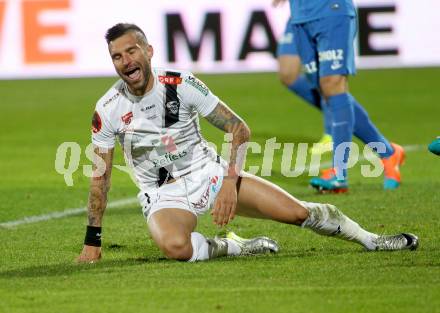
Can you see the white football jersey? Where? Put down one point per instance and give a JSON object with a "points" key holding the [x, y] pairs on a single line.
{"points": [[159, 132]]}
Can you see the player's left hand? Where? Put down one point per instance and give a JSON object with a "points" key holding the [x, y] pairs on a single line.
{"points": [[89, 254], [225, 204]]}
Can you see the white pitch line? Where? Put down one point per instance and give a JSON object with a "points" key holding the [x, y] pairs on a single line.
{"points": [[122, 202], [62, 214]]}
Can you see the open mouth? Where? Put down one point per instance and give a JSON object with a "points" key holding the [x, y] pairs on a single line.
{"points": [[134, 74]]}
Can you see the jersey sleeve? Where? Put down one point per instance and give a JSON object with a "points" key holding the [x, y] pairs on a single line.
{"points": [[198, 95], [102, 132]]}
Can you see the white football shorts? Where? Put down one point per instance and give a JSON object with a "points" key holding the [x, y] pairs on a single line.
{"points": [[195, 192]]}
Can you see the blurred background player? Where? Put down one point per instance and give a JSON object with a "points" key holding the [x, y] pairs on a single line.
{"points": [[289, 70], [324, 31], [434, 146]]}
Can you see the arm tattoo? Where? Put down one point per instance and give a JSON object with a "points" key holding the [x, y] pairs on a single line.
{"points": [[225, 119], [99, 186]]}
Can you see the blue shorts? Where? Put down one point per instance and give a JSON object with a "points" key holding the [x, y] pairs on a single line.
{"points": [[326, 46], [287, 44]]}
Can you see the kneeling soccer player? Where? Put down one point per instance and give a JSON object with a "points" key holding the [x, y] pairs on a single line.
{"points": [[154, 114]]}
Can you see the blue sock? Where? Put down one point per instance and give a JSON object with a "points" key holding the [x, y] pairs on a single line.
{"points": [[304, 89], [341, 108], [366, 131], [327, 117]]}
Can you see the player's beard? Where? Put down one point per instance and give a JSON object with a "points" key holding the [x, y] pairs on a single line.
{"points": [[139, 88]]}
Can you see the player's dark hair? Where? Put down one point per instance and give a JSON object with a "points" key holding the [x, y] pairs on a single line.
{"points": [[121, 29]]}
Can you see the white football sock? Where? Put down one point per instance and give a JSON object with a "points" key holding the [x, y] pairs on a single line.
{"points": [[326, 219], [200, 247], [205, 249]]}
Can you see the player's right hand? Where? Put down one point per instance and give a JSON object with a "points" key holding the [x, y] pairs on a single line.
{"points": [[89, 254]]}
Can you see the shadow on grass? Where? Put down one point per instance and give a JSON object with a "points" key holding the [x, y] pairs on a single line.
{"points": [[73, 268], [65, 269]]}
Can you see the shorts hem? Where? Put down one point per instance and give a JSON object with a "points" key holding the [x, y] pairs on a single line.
{"points": [[159, 208], [343, 72]]}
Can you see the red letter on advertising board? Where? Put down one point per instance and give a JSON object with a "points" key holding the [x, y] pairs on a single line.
{"points": [[34, 32], [2, 16]]}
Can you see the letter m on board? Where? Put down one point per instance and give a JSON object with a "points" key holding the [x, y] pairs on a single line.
{"points": [[176, 28]]}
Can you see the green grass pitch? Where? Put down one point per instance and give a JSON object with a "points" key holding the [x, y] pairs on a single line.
{"points": [[310, 274]]}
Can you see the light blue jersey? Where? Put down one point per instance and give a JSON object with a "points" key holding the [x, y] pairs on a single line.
{"points": [[308, 10]]}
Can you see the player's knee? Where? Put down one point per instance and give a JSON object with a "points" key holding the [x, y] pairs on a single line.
{"points": [[177, 248], [333, 85]]}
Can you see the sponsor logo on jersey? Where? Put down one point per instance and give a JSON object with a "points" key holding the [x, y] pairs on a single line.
{"points": [[191, 80], [168, 142], [149, 107], [310, 68], [96, 123], [336, 65], [126, 118], [111, 99], [173, 106], [170, 80], [331, 55], [168, 158]]}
